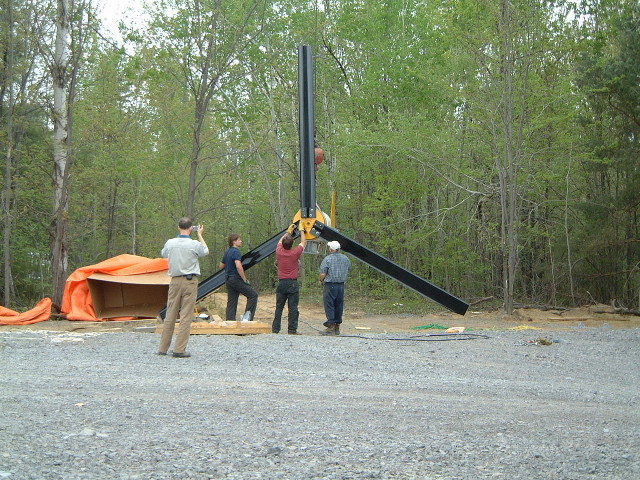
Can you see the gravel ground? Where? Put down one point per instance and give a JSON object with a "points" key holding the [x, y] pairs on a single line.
{"points": [[105, 406]]}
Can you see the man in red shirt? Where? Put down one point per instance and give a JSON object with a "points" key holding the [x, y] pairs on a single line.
{"points": [[288, 288]]}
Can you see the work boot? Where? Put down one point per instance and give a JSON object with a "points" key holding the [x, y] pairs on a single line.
{"points": [[332, 329]]}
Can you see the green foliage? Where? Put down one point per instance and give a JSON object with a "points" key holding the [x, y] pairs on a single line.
{"points": [[609, 229], [410, 112]]}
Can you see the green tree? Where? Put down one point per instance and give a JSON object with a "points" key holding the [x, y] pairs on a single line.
{"points": [[200, 43], [74, 28], [514, 97], [608, 76], [113, 158], [21, 26]]}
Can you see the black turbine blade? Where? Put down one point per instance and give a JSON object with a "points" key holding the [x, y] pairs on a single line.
{"points": [[249, 259], [307, 122], [393, 270], [262, 251], [211, 284]]}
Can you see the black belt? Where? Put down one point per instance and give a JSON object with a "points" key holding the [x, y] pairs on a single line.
{"points": [[335, 283], [189, 276]]}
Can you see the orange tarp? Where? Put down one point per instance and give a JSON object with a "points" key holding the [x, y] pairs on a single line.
{"points": [[39, 313], [77, 303]]}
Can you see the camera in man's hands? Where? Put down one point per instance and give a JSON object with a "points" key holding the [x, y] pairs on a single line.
{"points": [[194, 228]]}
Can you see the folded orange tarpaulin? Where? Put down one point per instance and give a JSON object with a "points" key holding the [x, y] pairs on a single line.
{"points": [[77, 303], [39, 313]]}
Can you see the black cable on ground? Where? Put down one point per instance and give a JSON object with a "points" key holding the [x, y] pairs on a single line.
{"points": [[436, 337], [429, 337]]}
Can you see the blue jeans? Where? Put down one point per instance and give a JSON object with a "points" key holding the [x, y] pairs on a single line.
{"points": [[288, 291], [333, 298]]}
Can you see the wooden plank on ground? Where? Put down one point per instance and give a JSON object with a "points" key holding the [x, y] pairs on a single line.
{"points": [[225, 328]]}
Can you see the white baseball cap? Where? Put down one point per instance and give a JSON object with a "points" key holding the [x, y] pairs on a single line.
{"points": [[334, 245]]}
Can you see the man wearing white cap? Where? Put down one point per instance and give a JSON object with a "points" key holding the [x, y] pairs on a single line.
{"points": [[333, 274]]}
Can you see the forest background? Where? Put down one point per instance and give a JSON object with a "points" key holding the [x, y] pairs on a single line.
{"points": [[490, 146]]}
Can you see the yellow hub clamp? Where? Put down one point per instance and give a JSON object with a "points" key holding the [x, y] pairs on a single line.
{"points": [[307, 223]]}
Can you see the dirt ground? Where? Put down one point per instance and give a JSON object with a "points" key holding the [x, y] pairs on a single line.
{"points": [[359, 321]]}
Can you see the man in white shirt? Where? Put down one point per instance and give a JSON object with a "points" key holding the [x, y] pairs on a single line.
{"points": [[184, 267]]}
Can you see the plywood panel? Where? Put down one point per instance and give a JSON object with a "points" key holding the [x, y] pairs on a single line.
{"points": [[226, 328]]}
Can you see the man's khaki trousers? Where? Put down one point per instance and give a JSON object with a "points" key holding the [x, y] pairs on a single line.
{"points": [[182, 299]]}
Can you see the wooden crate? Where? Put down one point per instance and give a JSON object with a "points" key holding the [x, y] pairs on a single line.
{"points": [[219, 327]]}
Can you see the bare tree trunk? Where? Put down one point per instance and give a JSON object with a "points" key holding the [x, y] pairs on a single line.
{"points": [[112, 222], [64, 77], [552, 272], [136, 187], [508, 164], [331, 157], [202, 104], [204, 88], [211, 64], [567, 237], [8, 187], [59, 260], [264, 169], [283, 216]]}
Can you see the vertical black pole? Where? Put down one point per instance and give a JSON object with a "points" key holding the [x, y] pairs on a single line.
{"points": [[307, 126]]}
